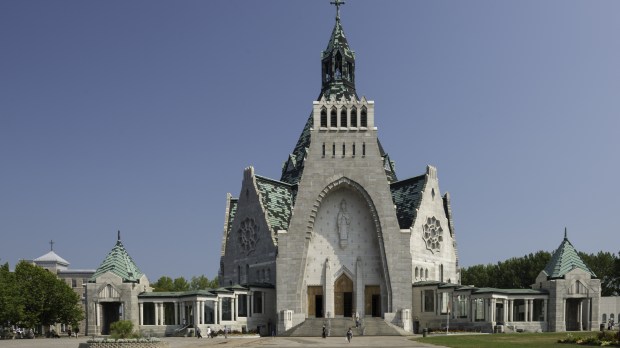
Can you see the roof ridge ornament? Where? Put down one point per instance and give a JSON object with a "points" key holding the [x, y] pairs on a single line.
{"points": [[337, 3], [565, 234]]}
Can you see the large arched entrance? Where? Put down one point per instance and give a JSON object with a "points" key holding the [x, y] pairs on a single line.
{"points": [[343, 297]]}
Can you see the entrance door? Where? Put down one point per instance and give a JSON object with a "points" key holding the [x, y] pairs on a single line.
{"points": [[343, 296], [372, 300], [111, 313], [315, 301], [318, 300], [572, 314], [348, 304], [376, 305]]}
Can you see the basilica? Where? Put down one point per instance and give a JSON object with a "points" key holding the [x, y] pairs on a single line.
{"points": [[340, 238]]}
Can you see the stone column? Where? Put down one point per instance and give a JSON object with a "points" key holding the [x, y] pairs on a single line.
{"points": [[236, 307], [249, 309], [176, 313], [544, 310], [359, 288], [156, 313], [182, 313], [328, 290], [506, 307], [580, 315], [216, 314], [219, 307], [531, 310], [97, 311], [141, 310], [527, 310]]}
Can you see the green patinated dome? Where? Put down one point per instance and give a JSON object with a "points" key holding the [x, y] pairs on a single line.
{"points": [[120, 263], [565, 259]]}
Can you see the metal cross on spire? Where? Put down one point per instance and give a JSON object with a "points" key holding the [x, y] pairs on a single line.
{"points": [[51, 245], [337, 3]]}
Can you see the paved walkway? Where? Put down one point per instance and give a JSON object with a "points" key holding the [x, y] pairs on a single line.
{"points": [[266, 342]]}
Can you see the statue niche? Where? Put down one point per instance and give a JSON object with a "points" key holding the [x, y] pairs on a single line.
{"points": [[343, 220]]}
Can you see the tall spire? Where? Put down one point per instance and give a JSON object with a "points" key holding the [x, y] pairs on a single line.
{"points": [[338, 63]]}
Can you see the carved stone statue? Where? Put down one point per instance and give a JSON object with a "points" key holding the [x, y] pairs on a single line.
{"points": [[343, 220]]}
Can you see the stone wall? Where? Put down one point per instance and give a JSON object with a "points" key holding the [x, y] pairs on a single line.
{"points": [[124, 345]]}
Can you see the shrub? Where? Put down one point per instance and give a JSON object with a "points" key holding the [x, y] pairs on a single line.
{"points": [[122, 329]]}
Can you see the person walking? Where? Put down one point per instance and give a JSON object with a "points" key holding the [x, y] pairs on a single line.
{"points": [[349, 335], [198, 332], [324, 331], [209, 332]]}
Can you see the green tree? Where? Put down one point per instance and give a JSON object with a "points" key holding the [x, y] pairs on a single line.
{"points": [[180, 284], [604, 264], [46, 299], [11, 304], [163, 284], [202, 283]]}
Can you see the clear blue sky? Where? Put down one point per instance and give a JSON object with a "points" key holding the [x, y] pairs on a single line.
{"points": [[141, 115]]}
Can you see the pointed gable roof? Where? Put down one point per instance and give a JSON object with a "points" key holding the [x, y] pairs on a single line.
{"points": [[277, 199], [51, 257], [120, 263], [564, 259], [407, 196]]}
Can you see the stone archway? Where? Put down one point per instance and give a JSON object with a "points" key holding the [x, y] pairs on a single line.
{"points": [[344, 305]]}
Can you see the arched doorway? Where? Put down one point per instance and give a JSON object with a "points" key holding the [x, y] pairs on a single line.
{"points": [[343, 296]]}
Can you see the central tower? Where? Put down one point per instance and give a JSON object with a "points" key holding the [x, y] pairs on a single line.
{"points": [[343, 244]]}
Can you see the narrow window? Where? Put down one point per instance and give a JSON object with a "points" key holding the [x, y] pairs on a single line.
{"points": [[238, 274], [353, 117], [323, 149], [363, 149], [247, 273], [343, 117], [333, 149], [334, 118], [353, 149], [364, 118], [323, 117], [343, 150]]}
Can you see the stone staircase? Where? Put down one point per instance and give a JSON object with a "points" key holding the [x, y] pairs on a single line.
{"points": [[312, 327]]}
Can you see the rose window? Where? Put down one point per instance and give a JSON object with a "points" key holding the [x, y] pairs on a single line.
{"points": [[432, 234], [248, 235]]}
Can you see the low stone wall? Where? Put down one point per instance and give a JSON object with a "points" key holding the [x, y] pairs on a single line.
{"points": [[124, 345]]}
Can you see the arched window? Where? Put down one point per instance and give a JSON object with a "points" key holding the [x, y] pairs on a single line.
{"points": [[338, 72], [417, 273], [611, 316], [323, 117], [334, 118], [343, 117], [441, 273], [353, 117], [353, 149], [604, 317], [364, 118], [426, 274], [268, 274]]}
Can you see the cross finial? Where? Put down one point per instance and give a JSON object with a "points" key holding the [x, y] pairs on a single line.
{"points": [[51, 245], [337, 3], [119, 235], [565, 234]]}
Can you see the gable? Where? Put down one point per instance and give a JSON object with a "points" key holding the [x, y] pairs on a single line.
{"points": [[407, 196]]}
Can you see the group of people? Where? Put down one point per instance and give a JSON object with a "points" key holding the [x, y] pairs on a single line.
{"points": [[349, 333]]}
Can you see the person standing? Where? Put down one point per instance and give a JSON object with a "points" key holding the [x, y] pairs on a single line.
{"points": [[198, 332], [324, 334], [209, 332], [349, 335]]}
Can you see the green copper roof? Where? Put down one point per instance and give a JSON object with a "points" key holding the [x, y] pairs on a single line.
{"points": [[120, 263], [565, 259], [407, 196], [278, 199]]}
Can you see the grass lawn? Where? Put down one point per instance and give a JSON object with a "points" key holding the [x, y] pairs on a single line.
{"points": [[546, 339]]}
